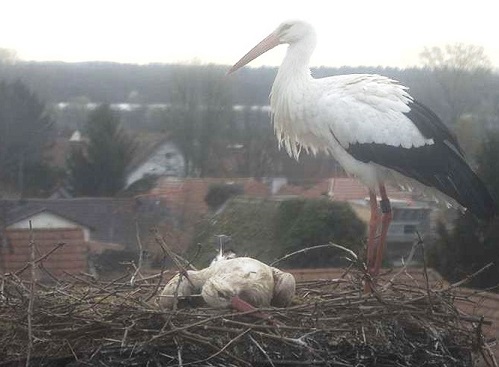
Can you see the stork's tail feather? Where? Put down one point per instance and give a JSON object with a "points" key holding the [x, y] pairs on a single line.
{"points": [[463, 185]]}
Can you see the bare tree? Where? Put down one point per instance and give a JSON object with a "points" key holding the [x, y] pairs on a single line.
{"points": [[461, 70], [199, 118], [457, 56], [8, 56]]}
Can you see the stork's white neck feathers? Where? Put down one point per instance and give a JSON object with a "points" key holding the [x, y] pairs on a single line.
{"points": [[297, 59], [292, 84]]}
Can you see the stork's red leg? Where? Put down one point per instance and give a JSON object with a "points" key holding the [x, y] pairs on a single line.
{"points": [[373, 230], [386, 218]]}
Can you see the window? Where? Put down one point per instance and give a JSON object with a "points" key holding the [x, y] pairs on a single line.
{"points": [[410, 228]]}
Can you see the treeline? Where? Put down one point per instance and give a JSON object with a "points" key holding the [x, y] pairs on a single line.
{"points": [[218, 139], [149, 84], [210, 115], [100, 82]]}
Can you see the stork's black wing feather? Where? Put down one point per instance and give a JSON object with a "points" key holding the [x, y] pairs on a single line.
{"points": [[440, 165], [430, 125]]}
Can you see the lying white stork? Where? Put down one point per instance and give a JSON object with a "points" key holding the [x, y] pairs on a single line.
{"points": [[242, 283], [372, 127]]}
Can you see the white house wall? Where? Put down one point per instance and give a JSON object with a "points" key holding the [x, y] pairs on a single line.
{"points": [[165, 161]]}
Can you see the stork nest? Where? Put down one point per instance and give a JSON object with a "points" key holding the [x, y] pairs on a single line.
{"points": [[80, 321]]}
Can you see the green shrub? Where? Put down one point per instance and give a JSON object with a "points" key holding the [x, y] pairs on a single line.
{"points": [[269, 229], [302, 223], [218, 194]]}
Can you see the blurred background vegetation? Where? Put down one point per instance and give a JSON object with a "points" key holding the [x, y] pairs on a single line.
{"points": [[209, 117]]}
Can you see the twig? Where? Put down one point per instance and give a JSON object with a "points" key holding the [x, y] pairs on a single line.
{"points": [[262, 350], [333, 245], [158, 283], [240, 361], [141, 255], [145, 279], [2, 288], [228, 344], [125, 334], [284, 327], [72, 351], [467, 278], [41, 258], [31, 294], [175, 293], [173, 256], [177, 259], [406, 263], [179, 351], [425, 273]]}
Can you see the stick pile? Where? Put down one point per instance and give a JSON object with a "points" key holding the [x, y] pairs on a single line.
{"points": [[80, 321]]}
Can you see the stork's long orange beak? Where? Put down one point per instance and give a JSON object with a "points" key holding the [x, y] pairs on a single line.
{"points": [[265, 45]]}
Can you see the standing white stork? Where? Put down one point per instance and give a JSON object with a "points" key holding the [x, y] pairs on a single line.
{"points": [[371, 126]]}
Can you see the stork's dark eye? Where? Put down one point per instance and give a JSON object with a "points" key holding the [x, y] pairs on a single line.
{"points": [[220, 294], [285, 27]]}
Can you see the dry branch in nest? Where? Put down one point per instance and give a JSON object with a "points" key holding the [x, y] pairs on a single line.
{"points": [[79, 321]]}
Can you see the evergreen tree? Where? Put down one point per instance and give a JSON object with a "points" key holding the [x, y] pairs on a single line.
{"points": [[98, 168], [24, 130], [472, 244]]}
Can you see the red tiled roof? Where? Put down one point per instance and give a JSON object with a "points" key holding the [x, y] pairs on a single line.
{"points": [[189, 194], [344, 189], [192, 191], [290, 190], [340, 189], [186, 199]]}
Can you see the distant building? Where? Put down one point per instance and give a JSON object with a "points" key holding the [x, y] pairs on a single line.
{"points": [[409, 218], [103, 230], [76, 137], [162, 159]]}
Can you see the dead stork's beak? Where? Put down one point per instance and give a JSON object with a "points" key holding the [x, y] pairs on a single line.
{"points": [[265, 45]]}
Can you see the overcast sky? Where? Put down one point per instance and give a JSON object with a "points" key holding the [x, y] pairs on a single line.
{"points": [[351, 32]]}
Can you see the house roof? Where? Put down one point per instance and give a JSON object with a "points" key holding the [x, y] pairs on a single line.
{"points": [[340, 189], [192, 191], [146, 145], [189, 193], [110, 220], [18, 215]]}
